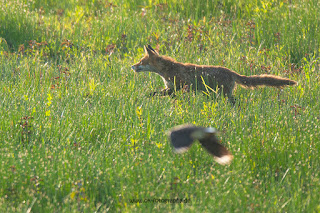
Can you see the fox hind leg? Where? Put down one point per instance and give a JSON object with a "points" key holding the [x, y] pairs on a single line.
{"points": [[228, 92]]}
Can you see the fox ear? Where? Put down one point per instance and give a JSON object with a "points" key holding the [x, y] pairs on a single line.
{"points": [[149, 50], [149, 46]]}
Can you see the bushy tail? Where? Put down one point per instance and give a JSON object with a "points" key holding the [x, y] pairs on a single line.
{"points": [[263, 80]]}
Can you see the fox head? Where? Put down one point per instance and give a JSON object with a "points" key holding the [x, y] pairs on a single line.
{"points": [[148, 62]]}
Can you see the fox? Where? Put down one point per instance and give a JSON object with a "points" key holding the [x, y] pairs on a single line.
{"points": [[185, 76]]}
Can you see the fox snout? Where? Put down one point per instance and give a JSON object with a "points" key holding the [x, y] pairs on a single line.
{"points": [[135, 67], [139, 67]]}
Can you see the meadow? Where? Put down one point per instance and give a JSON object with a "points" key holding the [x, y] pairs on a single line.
{"points": [[80, 133]]}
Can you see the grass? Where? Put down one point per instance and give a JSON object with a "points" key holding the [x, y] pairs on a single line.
{"points": [[79, 132]]}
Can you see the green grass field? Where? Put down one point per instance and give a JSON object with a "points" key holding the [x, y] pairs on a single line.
{"points": [[79, 133]]}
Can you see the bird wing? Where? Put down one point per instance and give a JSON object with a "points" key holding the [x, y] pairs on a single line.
{"points": [[219, 152], [181, 137]]}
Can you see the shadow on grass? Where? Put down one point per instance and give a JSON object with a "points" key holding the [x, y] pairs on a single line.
{"points": [[18, 27]]}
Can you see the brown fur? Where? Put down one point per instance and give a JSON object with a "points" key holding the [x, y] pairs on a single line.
{"points": [[177, 75]]}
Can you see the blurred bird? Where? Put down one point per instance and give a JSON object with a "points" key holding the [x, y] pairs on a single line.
{"points": [[183, 136]]}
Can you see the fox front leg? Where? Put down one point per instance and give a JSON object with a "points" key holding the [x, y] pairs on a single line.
{"points": [[166, 91]]}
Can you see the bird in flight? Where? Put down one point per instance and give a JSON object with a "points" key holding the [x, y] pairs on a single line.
{"points": [[183, 136]]}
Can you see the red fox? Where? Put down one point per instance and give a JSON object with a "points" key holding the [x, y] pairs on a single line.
{"points": [[177, 75]]}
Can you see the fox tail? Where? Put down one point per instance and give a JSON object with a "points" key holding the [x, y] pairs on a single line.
{"points": [[263, 80]]}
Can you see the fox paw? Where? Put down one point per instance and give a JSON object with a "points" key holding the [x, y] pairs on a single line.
{"points": [[153, 94]]}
